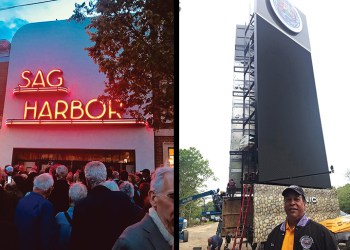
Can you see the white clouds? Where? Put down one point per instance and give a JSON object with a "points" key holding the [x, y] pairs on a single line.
{"points": [[49, 11]]}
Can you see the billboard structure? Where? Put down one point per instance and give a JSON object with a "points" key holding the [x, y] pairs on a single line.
{"points": [[276, 127]]}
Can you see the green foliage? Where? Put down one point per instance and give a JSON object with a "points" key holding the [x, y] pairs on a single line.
{"points": [[344, 198], [196, 210], [209, 206], [134, 47], [193, 172]]}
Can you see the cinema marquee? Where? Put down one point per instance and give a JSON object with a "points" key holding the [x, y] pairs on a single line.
{"points": [[61, 111], [50, 111]]}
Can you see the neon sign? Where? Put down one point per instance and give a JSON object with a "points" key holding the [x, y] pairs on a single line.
{"points": [[61, 111], [10, 122], [53, 82]]}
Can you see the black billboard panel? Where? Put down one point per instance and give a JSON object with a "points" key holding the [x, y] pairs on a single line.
{"points": [[290, 139]]}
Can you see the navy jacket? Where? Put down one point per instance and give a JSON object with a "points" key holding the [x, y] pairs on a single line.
{"points": [[35, 222]]}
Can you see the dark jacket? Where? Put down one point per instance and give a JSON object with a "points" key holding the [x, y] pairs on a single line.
{"points": [[8, 231], [29, 181], [59, 196], [216, 242], [143, 235], [35, 222], [308, 235], [100, 218]]}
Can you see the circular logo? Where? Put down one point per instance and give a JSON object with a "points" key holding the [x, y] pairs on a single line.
{"points": [[288, 14], [306, 242]]}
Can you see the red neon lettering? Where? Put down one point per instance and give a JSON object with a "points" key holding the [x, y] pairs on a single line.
{"points": [[76, 105], [110, 111], [61, 112], [27, 108], [93, 110], [113, 112], [39, 79], [53, 79], [46, 108], [88, 112], [24, 73], [60, 79]]}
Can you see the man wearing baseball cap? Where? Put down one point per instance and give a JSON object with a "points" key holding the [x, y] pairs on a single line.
{"points": [[146, 173], [298, 231]]}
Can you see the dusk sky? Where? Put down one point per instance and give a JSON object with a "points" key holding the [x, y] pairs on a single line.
{"points": [[11, 19]]}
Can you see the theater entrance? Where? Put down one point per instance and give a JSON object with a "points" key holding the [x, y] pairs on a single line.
{"points": [[74, 158]]}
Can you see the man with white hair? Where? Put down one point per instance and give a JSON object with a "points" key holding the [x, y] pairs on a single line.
{"points": [[102, 216], [111, 185], [127, 188], [59, 196], [77, 191], [156, 229], [34, 217]]}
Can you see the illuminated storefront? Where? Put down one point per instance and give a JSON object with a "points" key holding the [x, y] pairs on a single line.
{"points": [[51, 112]]}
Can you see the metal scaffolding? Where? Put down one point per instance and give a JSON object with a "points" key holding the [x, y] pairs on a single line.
{"points": [[243, 152]]}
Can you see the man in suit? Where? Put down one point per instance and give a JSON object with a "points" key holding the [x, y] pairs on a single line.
{"points": [[102, 216], [156, 229]]}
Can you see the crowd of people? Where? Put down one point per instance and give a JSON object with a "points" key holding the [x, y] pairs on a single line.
{"points": [[93, 208]]}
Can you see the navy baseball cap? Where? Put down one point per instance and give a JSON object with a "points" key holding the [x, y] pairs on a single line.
{"points": [[295, 189], [146, 170]]}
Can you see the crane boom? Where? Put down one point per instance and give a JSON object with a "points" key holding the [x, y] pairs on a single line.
{"points": [[197, 196]]}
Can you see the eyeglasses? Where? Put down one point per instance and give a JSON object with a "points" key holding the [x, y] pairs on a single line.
{"points": [[170, 196]]}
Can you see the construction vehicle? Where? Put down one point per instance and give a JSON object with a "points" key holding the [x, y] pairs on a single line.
{"points": [[340, 226], [217, 200], [183, 234]]}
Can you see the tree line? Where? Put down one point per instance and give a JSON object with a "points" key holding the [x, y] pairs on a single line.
{"points": [[194, 170]]}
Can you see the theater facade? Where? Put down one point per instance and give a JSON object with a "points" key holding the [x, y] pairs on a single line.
{"points": [[50, 111]]}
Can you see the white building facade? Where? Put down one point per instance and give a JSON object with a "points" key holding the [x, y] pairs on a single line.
{"points": [[51, 113]]}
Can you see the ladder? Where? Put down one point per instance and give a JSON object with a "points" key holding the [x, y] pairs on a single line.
{"points": [[242, 220]]}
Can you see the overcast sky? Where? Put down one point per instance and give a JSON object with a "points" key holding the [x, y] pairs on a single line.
{"points": [[207, 35]]}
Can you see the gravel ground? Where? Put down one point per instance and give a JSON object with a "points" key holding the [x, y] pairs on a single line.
{"points": [[199, 235]]}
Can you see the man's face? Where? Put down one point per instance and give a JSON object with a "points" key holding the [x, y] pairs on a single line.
{"points": [[137, 178], [145, 174], [22, 168], [163, 203], [294, 206]]}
